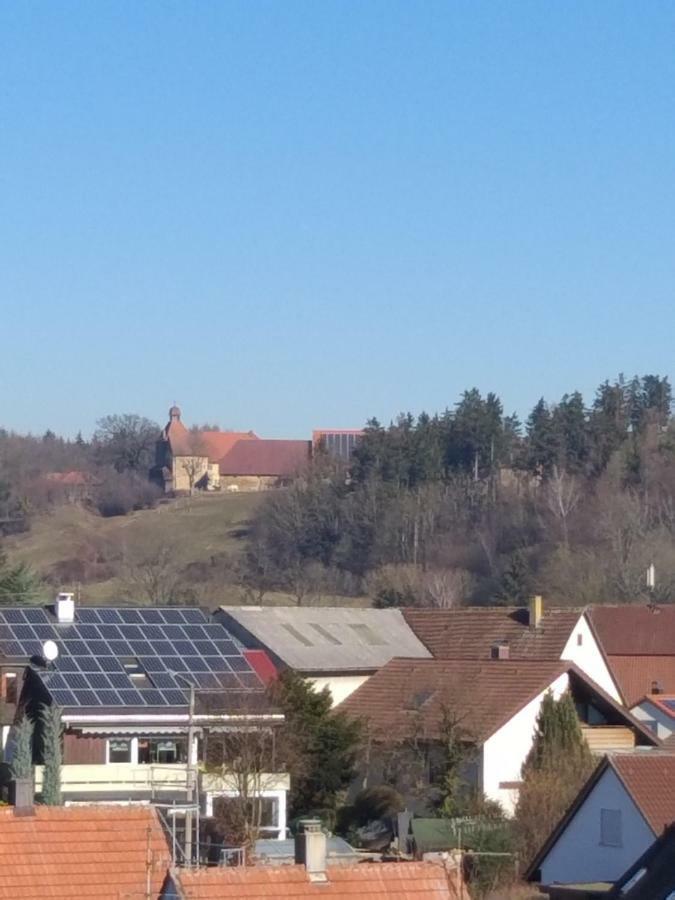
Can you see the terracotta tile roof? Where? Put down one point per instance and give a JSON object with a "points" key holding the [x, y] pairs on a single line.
{"points": [[81, 851], [634, 629], [634, 675], [407, 695], [649, 779], [470, 633], [404, 881], [214, 444], [263, 457]]}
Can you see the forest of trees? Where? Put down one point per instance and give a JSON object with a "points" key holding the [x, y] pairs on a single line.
{"points": [[472, 506], [466, 506]]}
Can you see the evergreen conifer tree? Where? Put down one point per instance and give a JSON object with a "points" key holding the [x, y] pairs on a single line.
{"points": [[52, 756], [557, 765], [515, 588], [22, 764]]}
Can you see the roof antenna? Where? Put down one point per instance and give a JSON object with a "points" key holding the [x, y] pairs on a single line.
{"points": [[651, 585]]}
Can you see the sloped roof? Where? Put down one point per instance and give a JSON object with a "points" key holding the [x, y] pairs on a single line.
{"points": [[74, 477], [647, 778], [634, 675], [408, 696], [634, 629], [92, 669], [658, 873], [323, 639], [403, 881], [471, 632], [214, 444], [265, 457], [81, 851]]}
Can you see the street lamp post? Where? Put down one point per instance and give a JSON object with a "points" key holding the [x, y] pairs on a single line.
{"points": [[192, 770]]}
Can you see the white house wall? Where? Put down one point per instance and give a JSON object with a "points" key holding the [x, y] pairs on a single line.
{"points": [[588, 657], [504, 753], [578, 855], [340, 686], [649, 713]]}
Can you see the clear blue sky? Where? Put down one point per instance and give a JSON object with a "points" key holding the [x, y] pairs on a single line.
{"points": [[285, 215]]}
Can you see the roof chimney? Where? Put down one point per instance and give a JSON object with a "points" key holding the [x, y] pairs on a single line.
{"points": [[24, 793], [310, 848], [536, 611], [65, 608], [500, 650]]}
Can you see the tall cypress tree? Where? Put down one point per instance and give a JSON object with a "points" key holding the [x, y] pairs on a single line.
{"points": [[22, 764], [52, 755], [557, 765]]}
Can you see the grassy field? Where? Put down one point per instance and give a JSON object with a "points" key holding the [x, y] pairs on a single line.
{"points": [[193, 529], [198, 532]]}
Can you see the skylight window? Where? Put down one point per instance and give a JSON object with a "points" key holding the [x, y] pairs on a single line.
{"points": [[368, 636], [325, 633], [297, 635]]}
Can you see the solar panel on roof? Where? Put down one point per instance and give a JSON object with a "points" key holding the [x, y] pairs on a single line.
{"points": [[64, 698], [109, 615], [670, 704], [131, 632], [175, 697], [88, 614], [14, 616], [131, 616], [86, 698], [193, 615], [89, 672], [172, 616], [89, 664], [153, 697], [196, 664], [109, 698]]}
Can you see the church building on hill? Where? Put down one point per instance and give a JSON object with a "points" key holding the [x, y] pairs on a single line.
{"points": [[187, 459]]}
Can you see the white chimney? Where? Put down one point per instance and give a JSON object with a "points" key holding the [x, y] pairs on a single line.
{"points": [[65, 608], [310, 849]]}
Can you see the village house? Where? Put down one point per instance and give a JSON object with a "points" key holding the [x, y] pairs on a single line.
{"points": [[537, 632], [492, 706], [638, 643], [623, 807], [141, 693], [334, 647]]}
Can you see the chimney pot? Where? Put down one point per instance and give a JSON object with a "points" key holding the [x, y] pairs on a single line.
{"points": [[24, 795], [500, 650], [536, 611], [65, 608], [310, 848]]}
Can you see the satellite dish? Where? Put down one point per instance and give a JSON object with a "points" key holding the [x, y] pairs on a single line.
{"points": [[50, 651]]}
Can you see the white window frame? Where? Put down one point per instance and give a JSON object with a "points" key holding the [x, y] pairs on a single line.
{"points": [[133, 761], [280, 796]]}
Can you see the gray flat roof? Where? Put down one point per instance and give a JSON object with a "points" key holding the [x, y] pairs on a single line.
{"points": [[325, 638]]}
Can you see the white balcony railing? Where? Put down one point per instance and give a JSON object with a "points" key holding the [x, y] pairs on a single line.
{"points": [[122, 777]]}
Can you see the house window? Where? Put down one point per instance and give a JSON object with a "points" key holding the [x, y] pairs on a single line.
{"points": [[9, 687], [227, 810], [610, 828], [166, 751], [119, 751], [580, 639]]}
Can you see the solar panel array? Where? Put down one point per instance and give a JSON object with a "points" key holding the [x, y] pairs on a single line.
{"points": [[90, 668]]}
